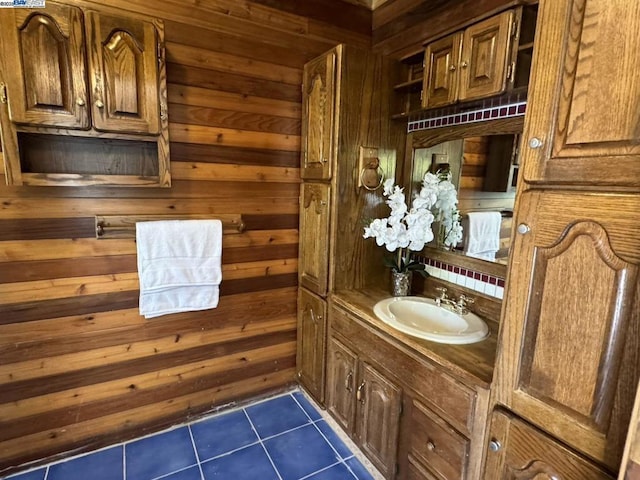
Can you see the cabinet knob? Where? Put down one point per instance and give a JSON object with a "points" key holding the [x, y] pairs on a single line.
{"points": [[323, 160], [523, 229], [535, 143], [494, 445], [99, 104], [80, 102], [431, 446], [464, 64], [452, 68]]}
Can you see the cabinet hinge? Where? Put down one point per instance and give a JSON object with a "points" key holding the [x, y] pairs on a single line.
{"points": [[3, 93], [515, 31], [510, 71]]}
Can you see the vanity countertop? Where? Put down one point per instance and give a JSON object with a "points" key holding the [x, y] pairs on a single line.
{"points": [[471, 363]]}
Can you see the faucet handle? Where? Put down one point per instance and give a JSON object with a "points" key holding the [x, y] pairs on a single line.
{"points": [[464, 299], [442, 290]]}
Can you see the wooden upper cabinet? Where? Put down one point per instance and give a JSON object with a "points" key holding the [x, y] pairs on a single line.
{"points": [[520, 452], [470, 64], [570, 333], [583, 114], [484, 58], [312, 328], [318, 108], [441, 79], [314, 237], [124, 81], [45, 71]]}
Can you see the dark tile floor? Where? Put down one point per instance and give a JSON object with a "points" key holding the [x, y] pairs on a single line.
{"points": [[283, 438]]}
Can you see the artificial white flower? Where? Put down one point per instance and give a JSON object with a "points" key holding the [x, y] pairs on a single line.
{"points": [[412, 228]]}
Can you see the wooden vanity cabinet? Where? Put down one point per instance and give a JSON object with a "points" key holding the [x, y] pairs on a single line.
{"points": [[520, 452], [411, 418], [470, 64], [83, 97], [365, 404]]}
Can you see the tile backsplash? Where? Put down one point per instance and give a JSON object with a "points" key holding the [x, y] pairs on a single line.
{"points": [[478, 281], [505, 106]]}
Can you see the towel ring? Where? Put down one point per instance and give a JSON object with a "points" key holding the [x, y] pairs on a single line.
{"points": [[379, 171]]}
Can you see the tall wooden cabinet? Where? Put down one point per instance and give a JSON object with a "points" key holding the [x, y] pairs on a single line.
{"points": [[346, 105], [568, 363], [83, 97]]}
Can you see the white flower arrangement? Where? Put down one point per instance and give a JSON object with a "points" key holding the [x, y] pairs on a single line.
{"points": [[411, 229]]}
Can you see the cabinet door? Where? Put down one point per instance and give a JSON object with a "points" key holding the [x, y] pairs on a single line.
{"points": [[318, 105], [341, 380], [484, 59], [124, 74], [378, 418], [520, 452], [314, 237], [441, 58], [44, 66], [570, 331], [312, 314], [583, 109]]}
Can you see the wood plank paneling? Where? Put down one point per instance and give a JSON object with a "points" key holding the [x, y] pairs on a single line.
{"points": [[403, 26], [79, 367]]}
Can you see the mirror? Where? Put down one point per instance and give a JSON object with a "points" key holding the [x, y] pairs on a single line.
{"points": [[483, 161]]}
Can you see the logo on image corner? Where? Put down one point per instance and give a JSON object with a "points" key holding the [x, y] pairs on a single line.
{"points": [[22, 3]]}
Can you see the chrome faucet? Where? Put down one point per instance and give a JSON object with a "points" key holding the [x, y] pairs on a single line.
{"points": [[458, 306]]}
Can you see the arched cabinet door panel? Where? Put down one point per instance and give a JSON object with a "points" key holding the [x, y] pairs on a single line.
{"points": [[313, 267], [124, 82], [570, 336], [45, 70], [583, 105], [518, 451], [312, 333], [318, 107]]}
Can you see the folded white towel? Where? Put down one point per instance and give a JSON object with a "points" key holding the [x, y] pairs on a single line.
{"points": [[483, 233], [179, 265]]}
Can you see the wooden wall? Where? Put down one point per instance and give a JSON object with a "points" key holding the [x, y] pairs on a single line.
{"points": [[79, 367]]}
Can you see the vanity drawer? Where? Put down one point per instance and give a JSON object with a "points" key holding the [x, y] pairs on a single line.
{"points": [[437, 445], [449, 398], [418, 472]]}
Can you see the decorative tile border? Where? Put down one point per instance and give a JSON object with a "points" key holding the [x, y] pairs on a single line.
{"points": [[490, 109], [478, 281]]}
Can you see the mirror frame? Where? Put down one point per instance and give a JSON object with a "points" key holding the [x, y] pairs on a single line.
{"points": [[431, 137]]}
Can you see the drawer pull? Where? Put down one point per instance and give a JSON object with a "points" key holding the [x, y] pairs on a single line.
{"points": [[495, 445], [360, 393], [347, 382], [431, 446]]}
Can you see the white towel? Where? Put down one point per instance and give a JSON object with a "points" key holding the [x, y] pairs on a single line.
{"points": [[179, 265], [483, 234]]}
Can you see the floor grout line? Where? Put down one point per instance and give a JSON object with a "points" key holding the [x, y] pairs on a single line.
{"points": [[124, 463], [321, 470], [262, 444], [195, 450]]}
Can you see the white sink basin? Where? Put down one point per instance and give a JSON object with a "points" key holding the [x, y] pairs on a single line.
{"points": [[422, 318]]}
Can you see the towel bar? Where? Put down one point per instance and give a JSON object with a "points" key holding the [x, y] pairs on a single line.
{"points": [[124, 226]]}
